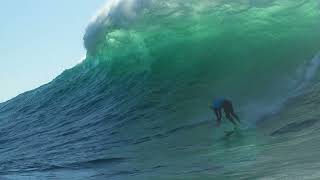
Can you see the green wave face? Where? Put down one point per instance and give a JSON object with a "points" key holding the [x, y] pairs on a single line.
{"points": [[237, 48]]}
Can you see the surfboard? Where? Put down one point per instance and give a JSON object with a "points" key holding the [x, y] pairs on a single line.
{"points": [[229, 133]]}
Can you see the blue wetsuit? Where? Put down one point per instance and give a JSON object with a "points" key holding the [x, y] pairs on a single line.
{"points": [[218, 103]]}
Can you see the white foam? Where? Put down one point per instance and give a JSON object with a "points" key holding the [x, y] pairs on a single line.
{"points": [[305, 75], [310, 71], [115, 14]]}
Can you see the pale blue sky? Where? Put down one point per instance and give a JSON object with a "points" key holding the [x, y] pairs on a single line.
{"points": [[39, 39]]}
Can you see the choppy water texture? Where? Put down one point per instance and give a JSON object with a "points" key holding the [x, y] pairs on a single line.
{"points": [[137, 106]]}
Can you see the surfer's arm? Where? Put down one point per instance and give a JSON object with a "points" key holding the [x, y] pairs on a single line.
{"points": [[218, 114]]}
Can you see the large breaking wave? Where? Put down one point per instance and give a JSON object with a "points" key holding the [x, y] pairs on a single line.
{"points": [[253, 51], [151, 68]]}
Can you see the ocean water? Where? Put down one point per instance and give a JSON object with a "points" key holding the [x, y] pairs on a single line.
{"points": [[137, 106]]}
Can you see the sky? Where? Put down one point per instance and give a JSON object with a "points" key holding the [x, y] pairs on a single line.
{"points": [[39, 39]]}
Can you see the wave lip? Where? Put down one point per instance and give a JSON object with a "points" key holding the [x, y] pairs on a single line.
{"points": [[115, 14]]}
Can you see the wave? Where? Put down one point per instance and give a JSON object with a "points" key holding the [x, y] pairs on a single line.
{"points": [[253, 52], [151, 69], [96, 162], [295, 127]]}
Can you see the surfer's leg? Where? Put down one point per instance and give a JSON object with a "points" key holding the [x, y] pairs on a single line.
{"points": [[227, 107], [235, 116], [229, 117], [231, 110]]}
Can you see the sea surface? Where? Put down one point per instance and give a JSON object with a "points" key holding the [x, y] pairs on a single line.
{"points": [[136, 108]]}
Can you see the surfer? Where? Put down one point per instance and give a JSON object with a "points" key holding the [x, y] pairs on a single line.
{"points": [[222, 103]]}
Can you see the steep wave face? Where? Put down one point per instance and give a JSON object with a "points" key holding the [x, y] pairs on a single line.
{"points": [[151, 69], [251, 51]]}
